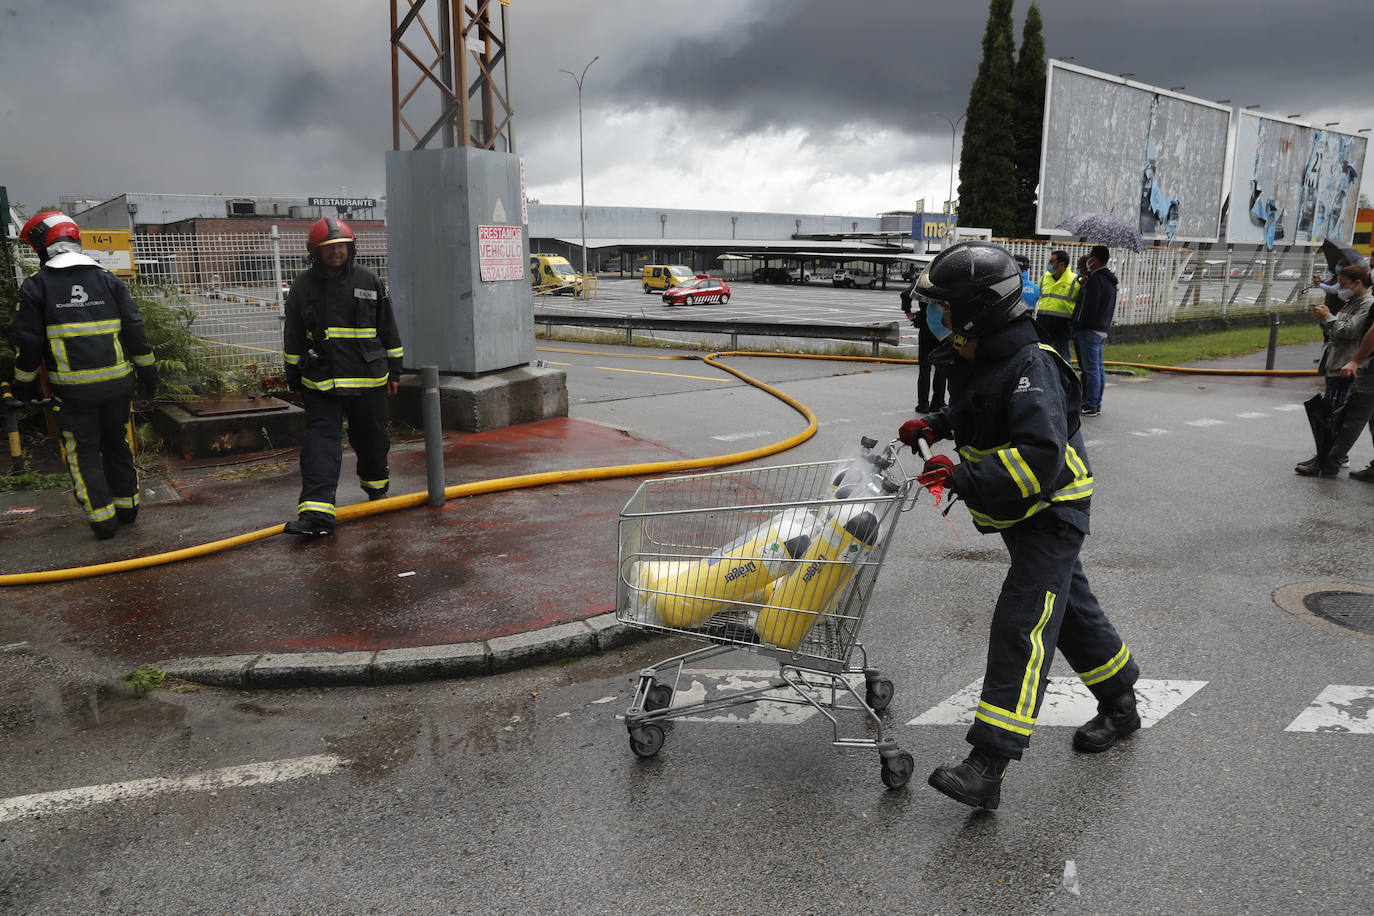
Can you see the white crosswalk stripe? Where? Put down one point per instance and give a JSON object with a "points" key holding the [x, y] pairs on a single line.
{"points": [[1068, 703], [1205, 421], [1339, 709], [1253, 415]]}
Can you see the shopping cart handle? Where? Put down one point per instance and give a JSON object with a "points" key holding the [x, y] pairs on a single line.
{"points": [[923, 449]]}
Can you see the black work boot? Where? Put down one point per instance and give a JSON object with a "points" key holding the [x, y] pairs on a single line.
{"points": [[374, 495], [310, 524], [976, 782], [1116, 718], [106, 529], [126, 516]]}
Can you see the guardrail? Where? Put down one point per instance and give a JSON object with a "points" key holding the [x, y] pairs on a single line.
{"points": [[877, 334]]}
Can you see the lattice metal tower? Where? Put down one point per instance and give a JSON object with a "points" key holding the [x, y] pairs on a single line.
{"points": [[466, 78]]}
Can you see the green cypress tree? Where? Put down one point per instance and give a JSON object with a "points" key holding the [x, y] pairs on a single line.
{"points": [[1028, 119], [987, 171]]}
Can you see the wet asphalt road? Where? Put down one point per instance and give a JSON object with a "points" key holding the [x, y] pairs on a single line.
{"points": [[518, 793]]}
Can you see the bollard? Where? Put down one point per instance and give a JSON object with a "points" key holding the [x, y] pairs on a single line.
{"points": [[434, 434], [1273, 341]]}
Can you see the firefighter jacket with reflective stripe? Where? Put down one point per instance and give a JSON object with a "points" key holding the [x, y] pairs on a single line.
{"points": [[1015, 422], [1058, 296], [340, 332], [83, 322]]}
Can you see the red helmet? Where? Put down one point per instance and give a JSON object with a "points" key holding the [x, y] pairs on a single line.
{"points": [[43, 229], [328, 231]]}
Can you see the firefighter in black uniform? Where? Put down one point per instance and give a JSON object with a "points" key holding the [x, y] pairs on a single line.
{"points": [[343, 353], [1023, 474], [80, 319]]}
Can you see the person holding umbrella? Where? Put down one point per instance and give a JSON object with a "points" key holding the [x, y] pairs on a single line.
{"points": [[1344, 332], [1358, 409]]}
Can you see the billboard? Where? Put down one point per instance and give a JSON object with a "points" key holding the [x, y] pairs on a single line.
{"points": [[1151, 157], [1293, 183]]}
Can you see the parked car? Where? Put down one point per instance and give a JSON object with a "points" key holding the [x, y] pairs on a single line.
{"points": [[853, 277], [799, 275], [771, 275], [1289, 274], [700, 289]]}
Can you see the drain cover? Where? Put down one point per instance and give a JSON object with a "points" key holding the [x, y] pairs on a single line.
{"points": [[1352, 610]]}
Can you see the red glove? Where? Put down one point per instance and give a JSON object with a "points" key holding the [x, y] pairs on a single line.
{"points": [[938, 472], [913, 430]]}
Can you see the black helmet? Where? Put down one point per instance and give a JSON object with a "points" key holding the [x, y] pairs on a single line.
{"points": [[980, 284]]}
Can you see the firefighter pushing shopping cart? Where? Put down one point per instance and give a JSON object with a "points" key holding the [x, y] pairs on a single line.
{"points": [[779, 561]]}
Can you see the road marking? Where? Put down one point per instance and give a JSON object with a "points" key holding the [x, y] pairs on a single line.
{"points": [[703, 684], [1152, 431], [704, 378], [1253, 415], [1205, 421], [1290, 407], [735, 437], [1068, 703], [249, 774], [1338, 709]]}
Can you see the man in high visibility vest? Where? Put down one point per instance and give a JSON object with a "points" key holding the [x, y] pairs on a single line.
{"points": [[81, 320], [1058, 292]]}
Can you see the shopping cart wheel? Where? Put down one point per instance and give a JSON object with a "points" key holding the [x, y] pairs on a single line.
{"points": [[659, 696], [647, 740], [897, 770], [878, 693]]}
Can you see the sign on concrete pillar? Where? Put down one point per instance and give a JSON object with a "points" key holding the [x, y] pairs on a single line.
{"points": [[457, 250]]}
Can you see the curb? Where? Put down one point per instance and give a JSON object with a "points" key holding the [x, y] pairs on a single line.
{"points": [[400, 666]]}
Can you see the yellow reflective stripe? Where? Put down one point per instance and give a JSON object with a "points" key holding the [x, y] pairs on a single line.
{"points": [[87, 376], [24, 375], [330, 384], [1020, 471], [78, 481], [1103, 672], [1030, 682], [396, 352], [988, 521], [1081, 489], [101, 514], [147, 359], [1004, 719], [126, 502], [354, 333], [310, 506], [376, 484], [292, 358], [84, 328]]}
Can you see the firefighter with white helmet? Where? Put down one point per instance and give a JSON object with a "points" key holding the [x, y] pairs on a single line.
{"points": [[80, 320], [343, 354], [1023, 474]]}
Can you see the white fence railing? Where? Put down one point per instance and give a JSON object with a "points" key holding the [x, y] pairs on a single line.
{"points": [[235, 284]]}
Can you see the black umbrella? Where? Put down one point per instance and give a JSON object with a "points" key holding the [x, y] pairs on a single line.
{"points": [[1335, 251], [1321, 415]]}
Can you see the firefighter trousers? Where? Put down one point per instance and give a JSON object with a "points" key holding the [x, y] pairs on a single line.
{"points": [[322, 450], [100, 460], [1045, 603]]}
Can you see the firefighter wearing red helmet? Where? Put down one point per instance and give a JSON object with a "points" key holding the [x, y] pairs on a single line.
{"points": [[343, 354], [1023, 473], [80, 320]]}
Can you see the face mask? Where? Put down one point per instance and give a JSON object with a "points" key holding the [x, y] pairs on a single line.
{"points": [[935, 320], [1345, 293], [1056, 270]]}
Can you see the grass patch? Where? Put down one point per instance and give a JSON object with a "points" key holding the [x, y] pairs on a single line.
{"points": [[34, 480], [1178, 351]]}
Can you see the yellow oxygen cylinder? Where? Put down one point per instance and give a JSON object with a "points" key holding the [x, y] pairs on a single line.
{"points": [[734, 572], [810, 590]]}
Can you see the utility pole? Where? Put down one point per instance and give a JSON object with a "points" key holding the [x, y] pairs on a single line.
{"points": [[581, 172]]}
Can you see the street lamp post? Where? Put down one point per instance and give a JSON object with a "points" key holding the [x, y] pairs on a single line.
{"points": [[953, 137], [581, 173]]}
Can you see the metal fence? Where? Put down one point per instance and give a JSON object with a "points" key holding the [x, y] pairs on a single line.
{"points": [[235, 284]]}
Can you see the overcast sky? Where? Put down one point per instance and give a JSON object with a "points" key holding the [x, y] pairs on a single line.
{"points": [[810, 106]]}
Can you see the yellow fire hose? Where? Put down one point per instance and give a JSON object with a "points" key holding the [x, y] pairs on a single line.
{"points": [[499, 484]]}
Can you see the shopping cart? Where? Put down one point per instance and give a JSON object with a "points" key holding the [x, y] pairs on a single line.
{"points": [[803, 546]]}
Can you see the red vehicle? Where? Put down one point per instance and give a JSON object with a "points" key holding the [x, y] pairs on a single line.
{"points": [[701, 289]]}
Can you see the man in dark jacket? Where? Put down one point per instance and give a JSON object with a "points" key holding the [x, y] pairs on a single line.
{"points": [[81, 321], [930, 379], [1023, 474], [343, 353], [1091, 323]]}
